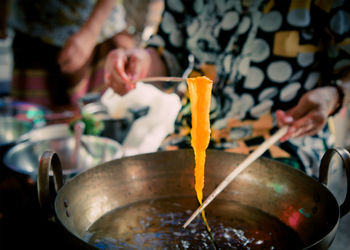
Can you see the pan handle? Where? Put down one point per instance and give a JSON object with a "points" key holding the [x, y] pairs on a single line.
{"points": [[48, 160], [324, 168]]}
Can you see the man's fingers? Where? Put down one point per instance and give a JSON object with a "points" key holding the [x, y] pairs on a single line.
{"points": [[283, 118], [115, 78], [308, 125], [120, 68]]}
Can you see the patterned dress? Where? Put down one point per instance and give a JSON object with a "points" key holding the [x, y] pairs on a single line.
{"points": [[262, 56]]}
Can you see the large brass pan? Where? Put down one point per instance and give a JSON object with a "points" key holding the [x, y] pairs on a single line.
{"points": [[299, 201]]}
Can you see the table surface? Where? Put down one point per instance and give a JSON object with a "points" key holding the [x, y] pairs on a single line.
{"points": [[22, 225]]}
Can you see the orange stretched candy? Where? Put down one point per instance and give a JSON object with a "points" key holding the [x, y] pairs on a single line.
{"points": [[200, 95]]}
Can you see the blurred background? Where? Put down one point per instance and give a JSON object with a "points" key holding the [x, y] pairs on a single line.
{"points": [[87, 100]]}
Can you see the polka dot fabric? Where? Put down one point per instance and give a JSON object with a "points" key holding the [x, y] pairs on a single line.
{"points": [[262, 56]]}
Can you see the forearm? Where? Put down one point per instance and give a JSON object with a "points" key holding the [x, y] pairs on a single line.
{"points": [[340, 94], [100, 13], [346, 87]]}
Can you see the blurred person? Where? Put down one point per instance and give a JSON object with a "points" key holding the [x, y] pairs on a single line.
{"points": [[143, 17], [6, 60], [60, 46], [273, 63]]}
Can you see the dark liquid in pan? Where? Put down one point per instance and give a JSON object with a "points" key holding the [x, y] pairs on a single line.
{"points": [[157, 224]]}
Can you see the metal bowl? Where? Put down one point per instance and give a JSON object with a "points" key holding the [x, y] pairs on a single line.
{"points": [[24, 157], [11, 129]]}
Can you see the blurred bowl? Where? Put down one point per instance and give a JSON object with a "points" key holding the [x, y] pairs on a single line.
{"points": [[11, 129], [24, 157], [115, 128], [49, 132]]}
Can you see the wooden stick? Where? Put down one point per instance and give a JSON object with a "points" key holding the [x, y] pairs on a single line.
{"points": [[162, 79], [243, 165]]}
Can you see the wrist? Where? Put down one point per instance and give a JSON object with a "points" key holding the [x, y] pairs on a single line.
{"points": [[338, 84], [98, 16], [90, 30]]}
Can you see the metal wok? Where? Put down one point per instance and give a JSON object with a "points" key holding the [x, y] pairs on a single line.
{"points": [[300, 202]]}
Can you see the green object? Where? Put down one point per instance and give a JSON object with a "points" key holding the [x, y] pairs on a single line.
{"points": [[93, 126], [37, 116]]}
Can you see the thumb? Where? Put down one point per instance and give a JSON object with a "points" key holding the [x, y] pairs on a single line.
{"points": [[134, 68], [121, 68]]}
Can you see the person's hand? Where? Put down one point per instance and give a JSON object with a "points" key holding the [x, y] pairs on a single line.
{"points": [[76, 51], [310, 115], [124, 67]]}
